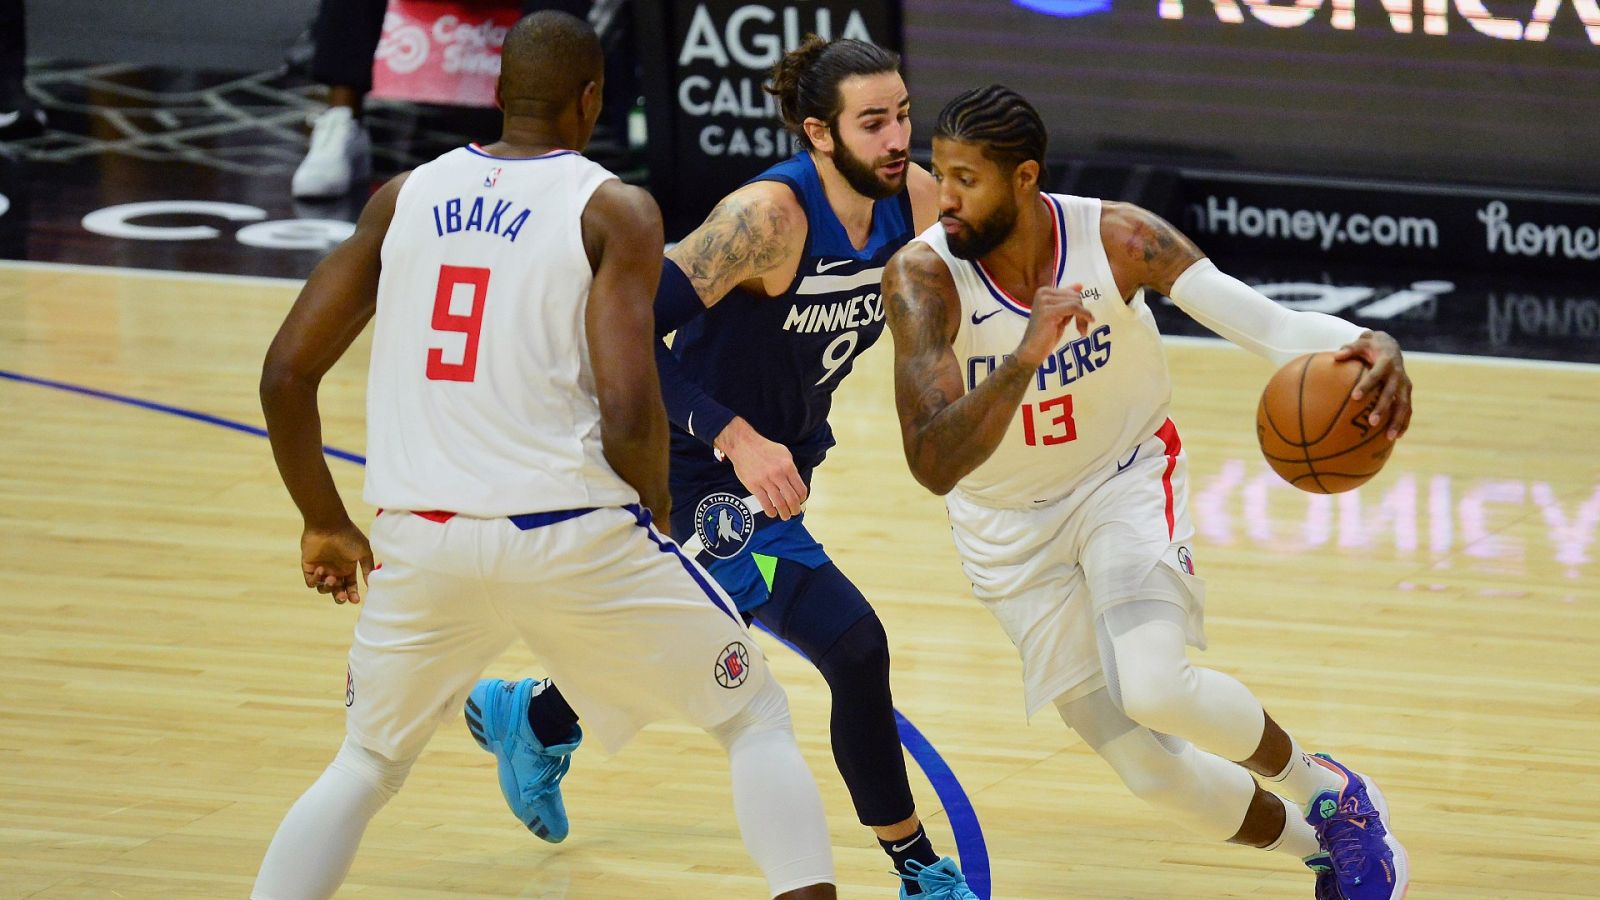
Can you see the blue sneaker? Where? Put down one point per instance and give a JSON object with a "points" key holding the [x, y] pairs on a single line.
{"points": [[1352, 825], [530, 773], [941, 881], [1327, 886]]}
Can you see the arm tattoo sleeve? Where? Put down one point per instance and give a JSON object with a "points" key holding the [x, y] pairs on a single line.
{"points": [[742, 238], [947, 431]]}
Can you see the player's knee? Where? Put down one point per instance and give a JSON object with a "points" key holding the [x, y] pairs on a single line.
{"points": [[859, 660], [1153, 773], [1161, 787], [1152, 690], [384, 774], [767, 711]]}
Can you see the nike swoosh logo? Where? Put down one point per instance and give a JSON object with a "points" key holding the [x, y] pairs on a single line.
{"points": [[823, 267], [1124, 465], [901, 848], [690, 424], [979, 320], [7, 119]]}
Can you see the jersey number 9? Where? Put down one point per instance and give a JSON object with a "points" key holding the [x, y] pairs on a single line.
{"points": [[838, 353], [470, 324]]}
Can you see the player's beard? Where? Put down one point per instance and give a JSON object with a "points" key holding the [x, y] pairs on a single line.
{"points": [[864, 178], [980, 238]]}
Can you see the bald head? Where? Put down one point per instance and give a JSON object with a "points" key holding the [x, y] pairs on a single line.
{"points": [[548, 59]]}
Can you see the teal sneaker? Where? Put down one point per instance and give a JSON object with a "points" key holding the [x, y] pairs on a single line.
{"points": [[530, 773], [1327, 886], [941, 881]]}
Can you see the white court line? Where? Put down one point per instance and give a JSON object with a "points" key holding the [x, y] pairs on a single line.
{"points": [[1178, 340]]}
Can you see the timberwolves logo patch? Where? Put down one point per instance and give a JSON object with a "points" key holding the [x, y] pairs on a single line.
{"points": [[733, 665], [1185, 561], [723, 525]]}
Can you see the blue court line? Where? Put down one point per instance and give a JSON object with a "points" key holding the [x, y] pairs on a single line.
{"points": [[970, 845], [208, 419]]}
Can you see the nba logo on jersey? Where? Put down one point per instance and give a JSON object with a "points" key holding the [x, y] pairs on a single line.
{"points": [[723, 524], [493, 178], [1185, 561], [733, 665], [349, 688]]}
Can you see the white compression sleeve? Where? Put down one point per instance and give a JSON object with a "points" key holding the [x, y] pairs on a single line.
{"points": [[775, 799], [1246, 317], [317, 840], [1207, 793]]}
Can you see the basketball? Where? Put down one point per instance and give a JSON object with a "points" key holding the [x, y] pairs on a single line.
{"points": [[1312, 434]]}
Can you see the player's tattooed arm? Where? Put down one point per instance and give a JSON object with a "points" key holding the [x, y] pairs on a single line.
{"points": [[947, 432], [1145, 250], [751, 232]]}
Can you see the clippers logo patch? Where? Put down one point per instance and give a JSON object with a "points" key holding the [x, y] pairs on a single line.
{"points": [[723, 524], [733, 665], [1185, 561]]}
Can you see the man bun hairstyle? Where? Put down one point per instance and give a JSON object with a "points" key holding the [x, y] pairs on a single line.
{"points": [[806, 80], [1000, 121]]}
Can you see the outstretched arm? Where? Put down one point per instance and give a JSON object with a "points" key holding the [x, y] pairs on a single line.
{"points": [[333, 307], [1146, 251], [948, 431]]}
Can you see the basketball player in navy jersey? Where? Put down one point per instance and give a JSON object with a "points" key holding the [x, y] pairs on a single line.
{"points": [[772, 298], [1033, 393]]}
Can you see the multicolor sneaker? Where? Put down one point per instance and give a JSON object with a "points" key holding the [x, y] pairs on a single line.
{"points": [[530, 773], [941, 881], [1327, 886], [1352, 824]]}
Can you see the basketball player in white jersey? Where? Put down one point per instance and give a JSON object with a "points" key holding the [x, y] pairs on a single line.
{"points": [[1066, 485], [517, 446]]}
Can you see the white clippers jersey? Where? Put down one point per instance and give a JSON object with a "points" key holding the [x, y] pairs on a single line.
{"points": [[481, 398], [1093, 401]]}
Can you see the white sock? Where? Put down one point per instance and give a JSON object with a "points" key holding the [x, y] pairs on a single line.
{"points": [[1303, 778], [317, 840], [775, 799], [1298, 839]]}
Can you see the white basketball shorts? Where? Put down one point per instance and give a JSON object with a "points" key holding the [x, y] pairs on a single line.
{"points": [[631, 628], [1046, 571]]}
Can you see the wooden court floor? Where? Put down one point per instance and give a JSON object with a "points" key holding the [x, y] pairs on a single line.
{"points": [[169, 687]]}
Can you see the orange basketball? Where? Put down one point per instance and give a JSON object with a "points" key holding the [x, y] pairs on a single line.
{"points": [[1312, 434]]}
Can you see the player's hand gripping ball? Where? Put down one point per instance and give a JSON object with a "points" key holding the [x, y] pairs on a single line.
{"points": [[1313, 434]]}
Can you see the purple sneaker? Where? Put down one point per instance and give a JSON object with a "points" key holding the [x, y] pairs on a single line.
{"points": [[1352, 824]]}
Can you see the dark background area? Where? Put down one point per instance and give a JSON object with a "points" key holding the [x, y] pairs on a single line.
{"points": [[1129, 84], [168, 102]]}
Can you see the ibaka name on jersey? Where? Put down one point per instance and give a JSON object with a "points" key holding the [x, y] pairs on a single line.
{"points": [[1072, 361], [448, 217]]}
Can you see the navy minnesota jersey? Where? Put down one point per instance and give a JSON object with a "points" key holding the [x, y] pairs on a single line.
{"points": [[776, 360]]}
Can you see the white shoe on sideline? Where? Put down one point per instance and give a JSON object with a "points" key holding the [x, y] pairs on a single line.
{"points": [[340, 156]]}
